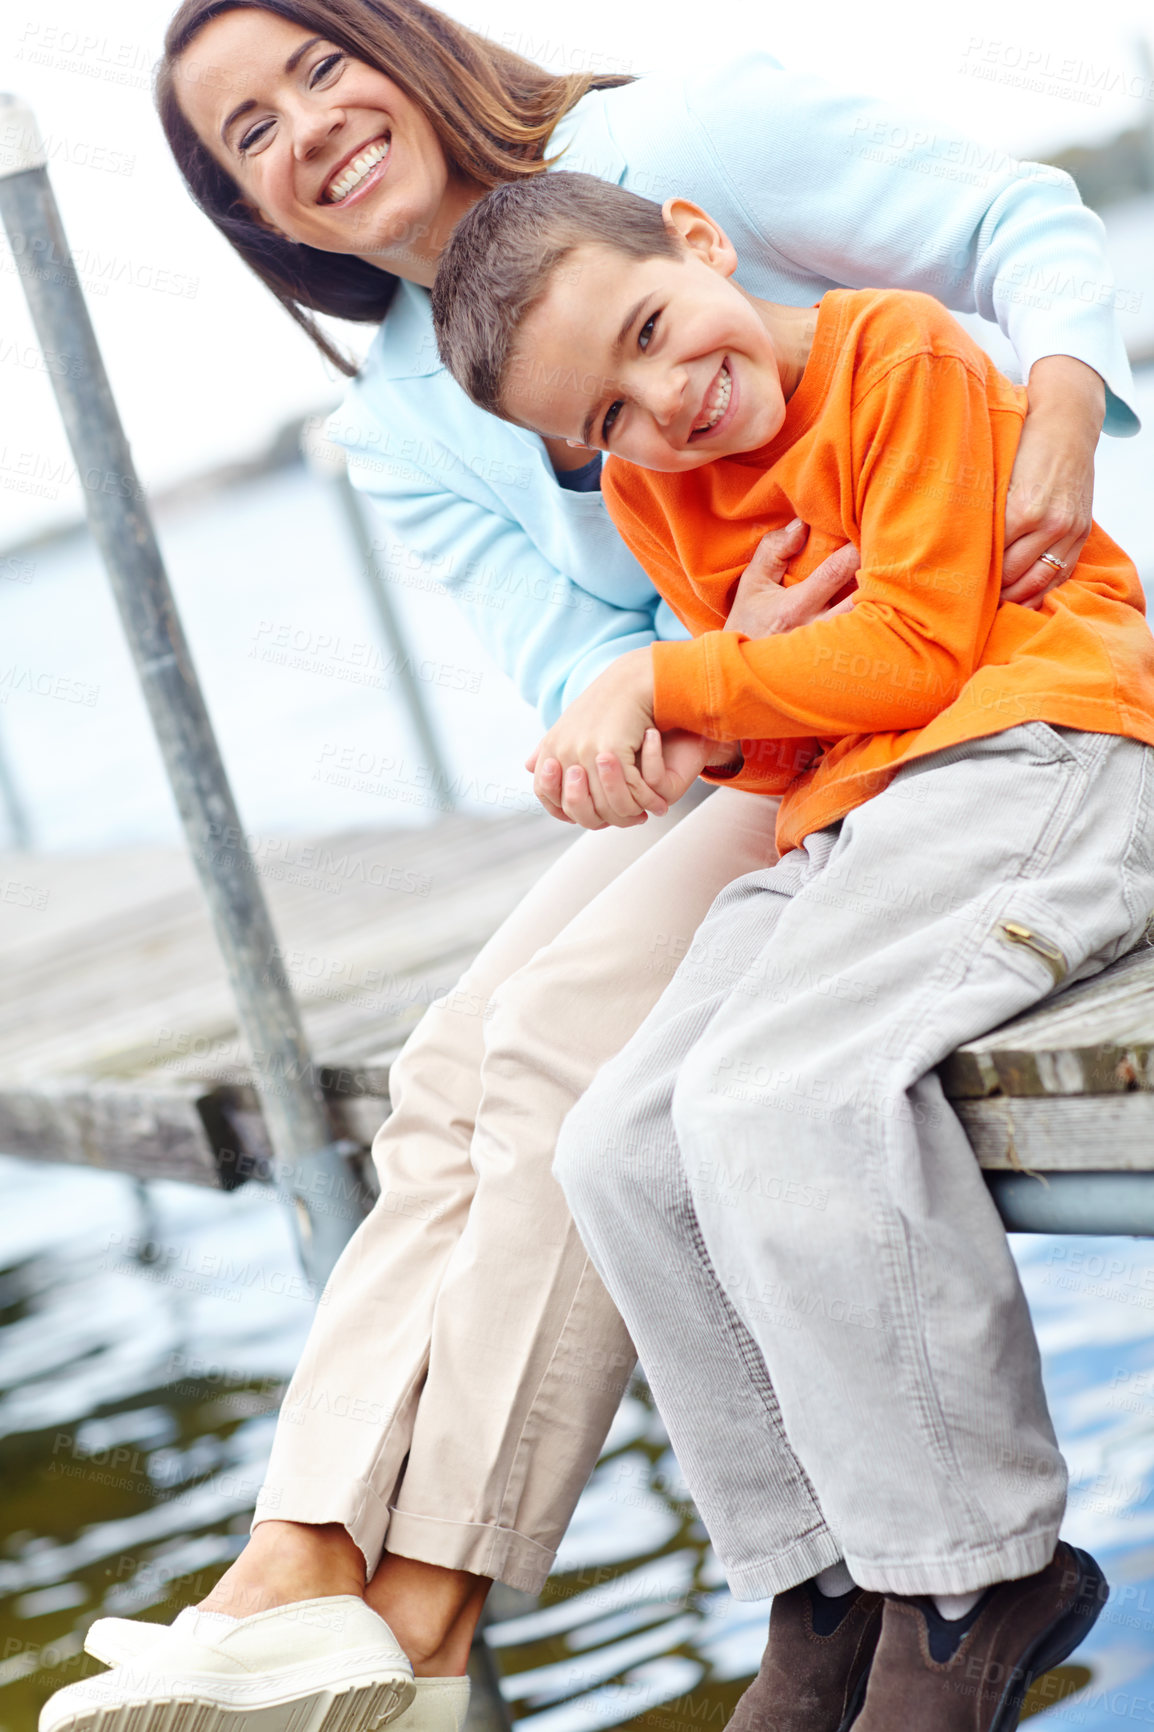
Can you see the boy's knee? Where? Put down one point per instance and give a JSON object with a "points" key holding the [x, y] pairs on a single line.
{"points": [[601, 1158], [701, 1086], [579, 1159]]}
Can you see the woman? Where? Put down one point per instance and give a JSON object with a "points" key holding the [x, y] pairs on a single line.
{"points": [[465, 1363]]}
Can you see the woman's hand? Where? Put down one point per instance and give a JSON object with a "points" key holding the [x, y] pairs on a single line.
{"points": [[1052, 483], [761, 606], [668, 764]]}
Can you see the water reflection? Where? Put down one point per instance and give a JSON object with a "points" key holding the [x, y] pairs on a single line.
{"points": [[141, 1363]]}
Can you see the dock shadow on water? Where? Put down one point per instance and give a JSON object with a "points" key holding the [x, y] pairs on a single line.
{"points": [[142, 1359]]}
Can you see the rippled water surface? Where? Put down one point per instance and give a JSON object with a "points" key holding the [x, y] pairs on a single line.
{"points": [[144, 1340]]}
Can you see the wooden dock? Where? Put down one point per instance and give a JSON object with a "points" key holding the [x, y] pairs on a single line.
{"points": [[119, 1048], [118, 1038]]}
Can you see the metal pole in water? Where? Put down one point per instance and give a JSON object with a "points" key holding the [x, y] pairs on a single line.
{"points": [[309, 1167], [15, 811], [327, 460]]}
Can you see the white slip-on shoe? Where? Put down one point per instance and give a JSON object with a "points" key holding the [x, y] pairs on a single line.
{"points": [[327, 1665], [440, 1705]]}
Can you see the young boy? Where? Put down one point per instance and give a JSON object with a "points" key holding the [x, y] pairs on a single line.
{"points": [[768, 1177]]}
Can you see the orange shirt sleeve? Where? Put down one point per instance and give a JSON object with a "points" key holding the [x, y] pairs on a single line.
{"points": [[926, 448]]}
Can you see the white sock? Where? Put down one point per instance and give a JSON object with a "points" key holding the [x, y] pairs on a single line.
{"points": [[955, 1606], [835, 1581], [204, 1626]]}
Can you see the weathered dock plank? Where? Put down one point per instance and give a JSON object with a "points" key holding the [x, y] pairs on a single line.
{"points": [[118, 1040], [1062, 1134], [1095, 1038], [119, 1046]]}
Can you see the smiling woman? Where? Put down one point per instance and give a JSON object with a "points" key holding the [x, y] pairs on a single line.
{"points": [[463, 1371], [250, 100]]}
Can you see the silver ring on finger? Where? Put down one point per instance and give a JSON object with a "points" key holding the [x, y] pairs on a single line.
{"points": [[1052, 560]]}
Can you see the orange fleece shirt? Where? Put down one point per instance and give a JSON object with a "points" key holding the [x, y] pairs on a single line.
{"points": [[900, 437]]}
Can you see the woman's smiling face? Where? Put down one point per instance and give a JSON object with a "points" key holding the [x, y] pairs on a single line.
{"points": [[326, 149]]}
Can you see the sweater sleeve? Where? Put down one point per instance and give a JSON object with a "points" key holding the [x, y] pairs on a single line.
{"points": [[863, 193], [928, 588], [550, 635]]}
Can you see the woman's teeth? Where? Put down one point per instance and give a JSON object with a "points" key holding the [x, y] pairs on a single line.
{"points": [[354, 172], [718, 403]]}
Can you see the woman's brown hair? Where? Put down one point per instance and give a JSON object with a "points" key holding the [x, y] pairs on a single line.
{"points": [[492, 110]]}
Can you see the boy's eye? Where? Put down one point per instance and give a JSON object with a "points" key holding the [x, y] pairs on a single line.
{"points": [[646, 332], [611, 415]]}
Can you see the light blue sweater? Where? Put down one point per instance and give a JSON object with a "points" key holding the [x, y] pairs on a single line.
{"points": [[817, 189]]}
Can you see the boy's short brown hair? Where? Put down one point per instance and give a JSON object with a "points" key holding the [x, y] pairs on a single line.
{"points": [[502, 255]]}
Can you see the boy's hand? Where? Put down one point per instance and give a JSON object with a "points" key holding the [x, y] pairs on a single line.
{"points": [[762, 607], [586, 769]]}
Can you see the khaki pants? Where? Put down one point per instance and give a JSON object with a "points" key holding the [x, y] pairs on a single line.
{"points": [[465, 1362]]}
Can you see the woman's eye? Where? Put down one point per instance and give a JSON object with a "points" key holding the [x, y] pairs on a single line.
{"points": [[317, 76], [254, 137], [611, 415], [646, 332], [324, 67]]}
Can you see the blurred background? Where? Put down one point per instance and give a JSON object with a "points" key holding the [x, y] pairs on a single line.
{"points": [[138, 1377]]}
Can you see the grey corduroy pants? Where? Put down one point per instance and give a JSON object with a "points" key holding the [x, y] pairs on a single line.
{"points": [[786, 1210]]}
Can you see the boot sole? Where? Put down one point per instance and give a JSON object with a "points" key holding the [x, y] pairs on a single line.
{"points": [[1054, 1644], [360, 1707]]}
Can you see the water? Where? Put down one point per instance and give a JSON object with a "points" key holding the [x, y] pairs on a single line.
{"points": [[304, 698], [137, 1406]]}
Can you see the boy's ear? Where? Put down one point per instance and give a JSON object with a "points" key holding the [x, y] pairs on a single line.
{"points": [[699, 232]]}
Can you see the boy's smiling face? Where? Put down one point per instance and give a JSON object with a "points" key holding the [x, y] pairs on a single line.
{"points": [[662, 361]]}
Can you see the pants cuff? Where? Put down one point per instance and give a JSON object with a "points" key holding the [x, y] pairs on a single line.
{"points": [[776, 1575], [963, 1573], [479, 1547], [354, 1506]]}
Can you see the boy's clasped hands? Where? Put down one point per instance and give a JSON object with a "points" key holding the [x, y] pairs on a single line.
{"points": [[604, 761]]}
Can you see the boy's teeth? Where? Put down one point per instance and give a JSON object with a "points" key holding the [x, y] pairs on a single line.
{"points": [[718, 403], [354, 172]]}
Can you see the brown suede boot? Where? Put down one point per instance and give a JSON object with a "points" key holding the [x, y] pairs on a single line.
{"points": [[810, 1682], [1017, 1631]]}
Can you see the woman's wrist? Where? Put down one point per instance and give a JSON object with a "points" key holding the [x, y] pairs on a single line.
{"points": [[1064, 389]]}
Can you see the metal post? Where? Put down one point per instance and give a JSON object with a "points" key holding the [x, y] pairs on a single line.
{"points": [[1145, 60], [1096, 1203], [328, 460], [309, 1167], [15, 811]]}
